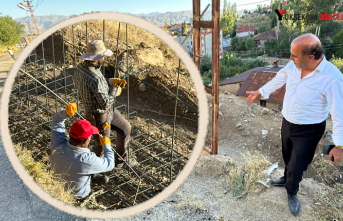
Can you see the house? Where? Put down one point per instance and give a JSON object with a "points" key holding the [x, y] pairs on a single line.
{"points": [[246, 31], [252, 80], [206, 42], [178, 28], [165, 27], [188, 44], [263, 37]]}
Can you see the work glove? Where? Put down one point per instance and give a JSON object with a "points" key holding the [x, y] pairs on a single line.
{"points": [[117, 82], [105, 126], [71, 109], [104, 140]]}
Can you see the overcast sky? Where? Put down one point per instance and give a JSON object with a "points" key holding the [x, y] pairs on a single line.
{"points": [[76, 7]]}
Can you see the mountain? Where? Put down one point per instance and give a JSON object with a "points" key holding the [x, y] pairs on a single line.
{"points": [[45, 22]]}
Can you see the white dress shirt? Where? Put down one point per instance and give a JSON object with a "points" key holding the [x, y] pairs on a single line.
{"points": [[309, 100]]}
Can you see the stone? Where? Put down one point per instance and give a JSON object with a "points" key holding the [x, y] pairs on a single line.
{"points": [[265, 111], [213, 165], [142, 87], [139, 99]]}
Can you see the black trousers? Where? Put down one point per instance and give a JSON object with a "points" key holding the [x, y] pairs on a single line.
{"points": [[299, 144]]}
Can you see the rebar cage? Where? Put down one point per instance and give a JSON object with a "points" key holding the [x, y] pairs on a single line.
{"points": [[160, 143]]}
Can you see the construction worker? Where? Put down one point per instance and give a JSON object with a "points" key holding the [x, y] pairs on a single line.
{"points": [[313, 88], [71, 158], [98, 95]]}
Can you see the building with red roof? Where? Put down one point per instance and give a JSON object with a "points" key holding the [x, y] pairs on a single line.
{"points": [[246, 31]]}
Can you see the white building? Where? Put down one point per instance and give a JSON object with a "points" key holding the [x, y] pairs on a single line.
{"points": [[206, 43], [188, 45], [246, 31]]}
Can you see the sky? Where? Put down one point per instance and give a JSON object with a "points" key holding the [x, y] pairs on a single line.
{"points": [[76, 7]]}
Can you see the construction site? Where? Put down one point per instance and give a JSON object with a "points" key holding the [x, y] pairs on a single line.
{"points": [[159, 102]]}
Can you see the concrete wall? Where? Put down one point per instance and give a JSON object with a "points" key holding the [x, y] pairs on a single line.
{"points": [[232, 88]]}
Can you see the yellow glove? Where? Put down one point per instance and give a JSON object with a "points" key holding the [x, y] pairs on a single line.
{"points": [[105, 126], [118, 91], [117, 82], [71, 109], [104, 140]]}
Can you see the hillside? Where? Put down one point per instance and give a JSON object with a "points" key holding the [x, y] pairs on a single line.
{"points": [[45, 22]]}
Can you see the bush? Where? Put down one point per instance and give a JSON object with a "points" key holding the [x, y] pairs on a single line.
{"points": [[338, 40], [10, 31], [205, 64], [338, 62]]}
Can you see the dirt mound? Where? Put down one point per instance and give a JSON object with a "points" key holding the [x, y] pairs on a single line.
{"points": [[148, 59]]}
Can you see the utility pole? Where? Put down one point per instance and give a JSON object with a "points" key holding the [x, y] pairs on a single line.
{"points": [[27, 6], [214, 24], [29, 27]]}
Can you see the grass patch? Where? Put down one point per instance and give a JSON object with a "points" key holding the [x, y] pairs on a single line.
{"points": [[246, 177], [186, 202], [328, 204], [45, 178]]}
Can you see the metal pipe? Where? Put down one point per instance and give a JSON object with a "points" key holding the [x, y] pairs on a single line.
{"points": [[175, 109]]}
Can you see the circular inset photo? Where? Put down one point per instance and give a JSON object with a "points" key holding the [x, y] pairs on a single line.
{"points": [[103, 114]]}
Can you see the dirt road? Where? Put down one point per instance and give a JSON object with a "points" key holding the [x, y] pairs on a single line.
{"points": [[6, 62]]}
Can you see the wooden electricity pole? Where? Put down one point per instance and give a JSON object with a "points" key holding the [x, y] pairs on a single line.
{"points": [[215, 25]]}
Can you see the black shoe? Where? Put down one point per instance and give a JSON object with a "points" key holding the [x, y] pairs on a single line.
{"points": [[100, 178], [294, 204], [278, 182]]}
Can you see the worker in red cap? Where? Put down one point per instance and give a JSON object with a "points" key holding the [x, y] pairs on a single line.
{"points": [[71, 158]]}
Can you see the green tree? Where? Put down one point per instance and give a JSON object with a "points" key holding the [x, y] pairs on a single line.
{"points": [[338, 40], [262, 28], [10, 31], [234, 43], [184, 28], [233, 33], [205, 64], [273, 16], [171, 23], [227, 20], [249, 43], [259, 9], [289, 25], [318, 7]]}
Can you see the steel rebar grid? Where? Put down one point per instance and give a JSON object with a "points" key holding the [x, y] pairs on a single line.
{"points": [[40, 104]]}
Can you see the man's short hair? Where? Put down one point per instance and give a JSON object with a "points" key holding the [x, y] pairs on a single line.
{"points": [[78, 141], [317, 50]]}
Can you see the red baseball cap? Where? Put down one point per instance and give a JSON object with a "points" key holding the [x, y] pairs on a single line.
{"points": [[82, 129]]}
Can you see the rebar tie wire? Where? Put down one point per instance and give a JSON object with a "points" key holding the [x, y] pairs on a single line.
{"points": [[63, 101]]}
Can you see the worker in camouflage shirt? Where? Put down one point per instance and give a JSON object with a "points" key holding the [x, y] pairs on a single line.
{"points": [[97, 94]]}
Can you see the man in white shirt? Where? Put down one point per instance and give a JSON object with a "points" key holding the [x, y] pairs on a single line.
{"points": [[314, 87]]}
